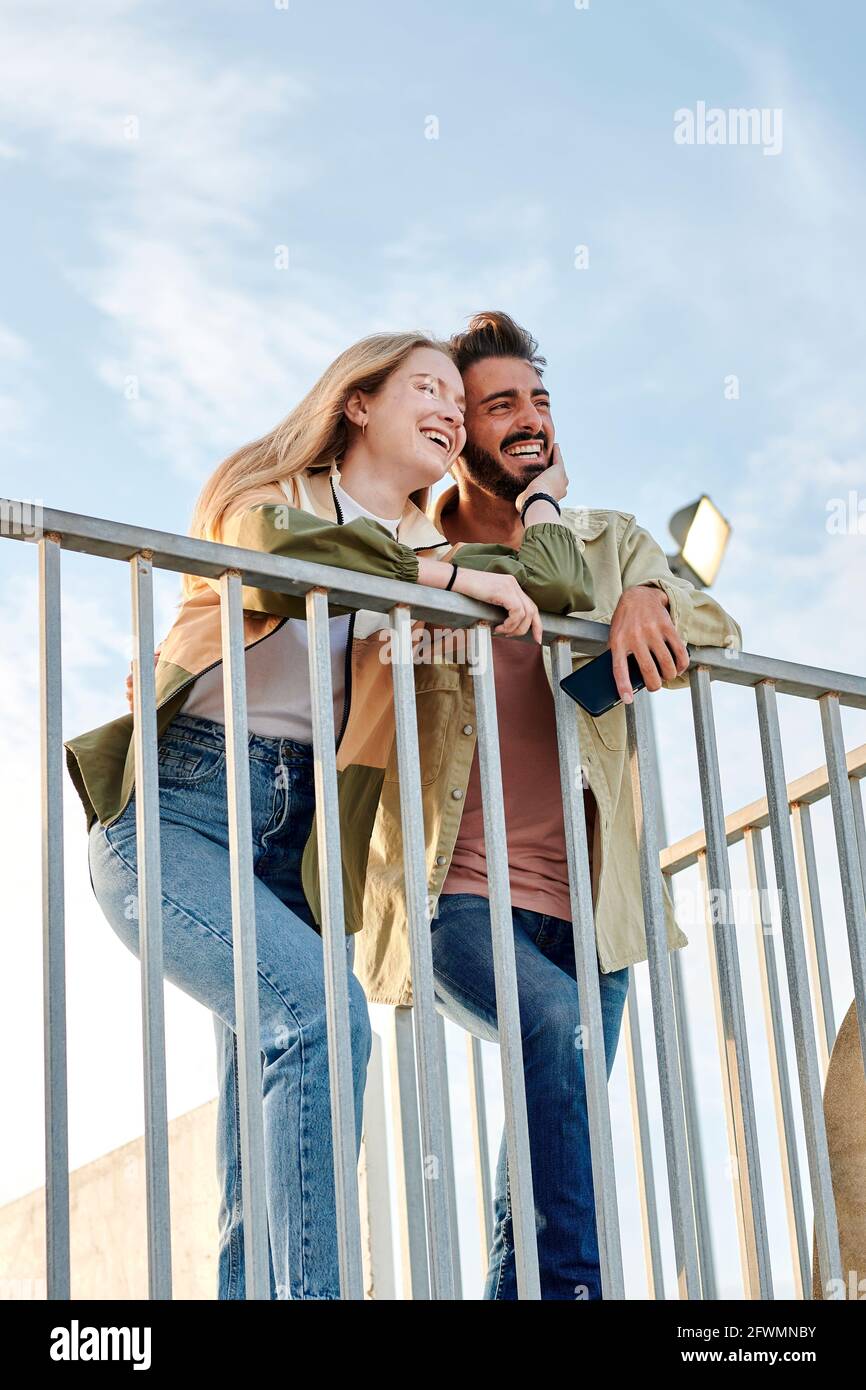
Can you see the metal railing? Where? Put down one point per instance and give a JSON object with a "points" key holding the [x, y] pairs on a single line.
{"points": [[422, 1129]]}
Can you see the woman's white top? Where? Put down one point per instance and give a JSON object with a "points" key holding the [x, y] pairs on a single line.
{"points": [[278, 681]]}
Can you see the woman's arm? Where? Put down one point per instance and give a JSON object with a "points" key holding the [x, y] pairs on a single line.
{"points": [[276, 529]]}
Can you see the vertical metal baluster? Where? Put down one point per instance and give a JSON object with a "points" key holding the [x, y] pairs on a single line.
{"points": [[150, 930], [737, 1081], [480, 1146], [697, 1168], [814, 923], [697, 1171], [643, 1146], [334, 949], [847, 849], [374, 1189], [791, 1183], [409, 1171], [587, 967], [449, 1149], [859, 825], [667, 1054], [811, 1096], [53, 924], [504, 966], [244, 950], [733, 1170], [435, 1156]]}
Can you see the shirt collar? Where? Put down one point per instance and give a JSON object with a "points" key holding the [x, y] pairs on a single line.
{"points": [[415, 528]]}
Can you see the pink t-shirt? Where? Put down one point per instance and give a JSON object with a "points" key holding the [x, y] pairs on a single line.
{"points": [[531, 788]]}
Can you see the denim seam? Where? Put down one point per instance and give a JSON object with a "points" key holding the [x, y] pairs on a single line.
{"points": [[183, 740], [274, 829], [170, 782], [234, 1241], [461, 987], [506, 1227]]}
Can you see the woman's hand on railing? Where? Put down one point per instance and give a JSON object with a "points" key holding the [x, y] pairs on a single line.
{"points": [[502, 590], [129, 699]]}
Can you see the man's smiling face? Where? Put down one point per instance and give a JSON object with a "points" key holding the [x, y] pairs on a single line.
{"points": [[509, 428]]}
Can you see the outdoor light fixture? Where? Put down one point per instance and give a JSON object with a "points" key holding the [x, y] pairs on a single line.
{"points": [[701, 532]]}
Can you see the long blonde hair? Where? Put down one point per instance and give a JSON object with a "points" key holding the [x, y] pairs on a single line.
{"points": [[310, 436]]}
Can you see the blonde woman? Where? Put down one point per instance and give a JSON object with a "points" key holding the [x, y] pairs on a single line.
{"points": [[343, 480]]}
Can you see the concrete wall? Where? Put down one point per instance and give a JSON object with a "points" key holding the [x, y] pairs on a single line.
{"points": [[108, 1229]]}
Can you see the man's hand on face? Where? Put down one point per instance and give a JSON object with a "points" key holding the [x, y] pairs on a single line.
{"points": [[554, 480], [641, 626]]}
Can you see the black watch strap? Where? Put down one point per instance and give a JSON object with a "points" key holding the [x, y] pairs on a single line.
{"points": [[534, 498]]}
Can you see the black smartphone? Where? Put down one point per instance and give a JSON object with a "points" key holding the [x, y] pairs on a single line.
{"points": [[593, 685]]}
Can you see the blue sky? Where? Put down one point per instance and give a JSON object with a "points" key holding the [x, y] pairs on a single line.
{"points": [[145, 332]]}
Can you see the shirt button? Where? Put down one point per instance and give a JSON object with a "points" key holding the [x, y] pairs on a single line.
{"points": [[441, 858], [468, 729], [457, 793]]}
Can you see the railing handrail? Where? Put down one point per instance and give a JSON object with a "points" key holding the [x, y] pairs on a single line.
{"points": [[188, 555], [805, 790]]}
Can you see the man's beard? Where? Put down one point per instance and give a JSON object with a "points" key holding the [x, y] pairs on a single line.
{"points": [[487, 473]]}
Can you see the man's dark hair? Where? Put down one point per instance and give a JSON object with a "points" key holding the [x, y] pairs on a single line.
{"points": [[494, 334]]}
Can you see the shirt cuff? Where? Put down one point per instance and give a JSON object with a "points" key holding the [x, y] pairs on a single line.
{"points": [[406, 565]]}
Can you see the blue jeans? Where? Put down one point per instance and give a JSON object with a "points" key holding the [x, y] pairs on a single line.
{"points": [[554, 1077], [198, 958]]}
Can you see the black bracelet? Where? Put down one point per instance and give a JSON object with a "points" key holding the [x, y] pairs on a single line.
{"points": [[534, 498], [453, 576]]}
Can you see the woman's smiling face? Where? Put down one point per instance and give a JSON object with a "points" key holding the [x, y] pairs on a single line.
{"points": [[416, 418]]}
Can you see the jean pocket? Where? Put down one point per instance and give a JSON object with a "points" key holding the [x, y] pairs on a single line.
{"points": [[183, 763]]}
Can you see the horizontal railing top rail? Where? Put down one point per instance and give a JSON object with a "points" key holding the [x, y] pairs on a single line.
{"points": [[187, 555], [802, 791]]}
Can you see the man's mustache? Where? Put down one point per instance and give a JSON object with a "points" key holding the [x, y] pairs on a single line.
{"points": [[523, 438]]}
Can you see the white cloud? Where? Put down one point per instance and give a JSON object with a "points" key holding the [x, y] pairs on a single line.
{"points": [[208, 354], [211, 363], [83, 80], [204, 357]]}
